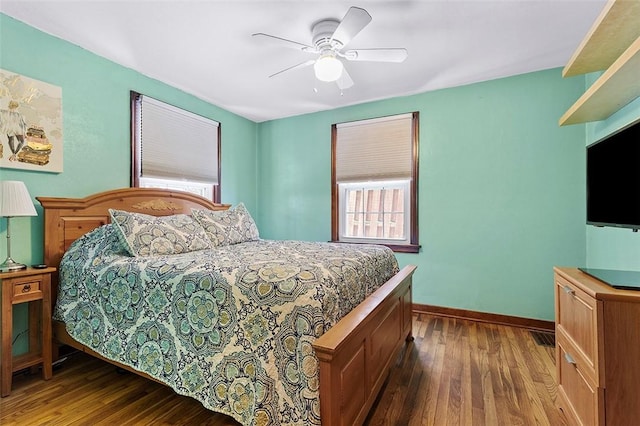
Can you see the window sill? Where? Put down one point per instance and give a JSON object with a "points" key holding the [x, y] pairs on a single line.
{"points": [[397, 248]]}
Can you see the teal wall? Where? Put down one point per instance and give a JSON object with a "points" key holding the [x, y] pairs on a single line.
{"points": [[95, 103], [612, 248], [501, 185], [501, 189]]}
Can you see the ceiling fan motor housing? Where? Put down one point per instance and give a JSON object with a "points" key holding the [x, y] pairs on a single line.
{"points": [[322, 32]]}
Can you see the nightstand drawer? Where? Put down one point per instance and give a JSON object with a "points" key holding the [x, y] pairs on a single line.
{"points": [[27, 290], [577, 319]]}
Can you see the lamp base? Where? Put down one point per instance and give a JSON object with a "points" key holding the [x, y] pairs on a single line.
{"points": [[11, 265]]}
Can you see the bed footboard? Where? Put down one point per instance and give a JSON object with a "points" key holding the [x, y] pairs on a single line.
{"points": [[356, 354]]}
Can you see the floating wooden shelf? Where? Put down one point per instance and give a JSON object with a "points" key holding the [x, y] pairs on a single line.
{"points": [[612, 44], [618, 86], [613, 31]]}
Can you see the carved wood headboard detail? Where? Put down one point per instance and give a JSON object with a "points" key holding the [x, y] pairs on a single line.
{"points": [[157, 204]]}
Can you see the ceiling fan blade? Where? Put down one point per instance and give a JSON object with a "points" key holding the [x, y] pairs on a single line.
{"points": [[279, 41], [295, 67], [345, 81], [377, 55], [352, 23]]}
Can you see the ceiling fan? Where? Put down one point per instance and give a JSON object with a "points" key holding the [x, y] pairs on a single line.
{"points": [[329, 37]]}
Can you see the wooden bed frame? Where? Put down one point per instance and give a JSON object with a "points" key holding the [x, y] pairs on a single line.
{"points": [[355, 355]]}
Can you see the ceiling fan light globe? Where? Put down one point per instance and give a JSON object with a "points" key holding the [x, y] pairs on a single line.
{"points": [[328, 68]]}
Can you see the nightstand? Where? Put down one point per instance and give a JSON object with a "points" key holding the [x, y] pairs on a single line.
{"points": [[31, 286]]}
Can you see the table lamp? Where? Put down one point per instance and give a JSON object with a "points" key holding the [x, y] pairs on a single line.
{"points": [[14, 201]]}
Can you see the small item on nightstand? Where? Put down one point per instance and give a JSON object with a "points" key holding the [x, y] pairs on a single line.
{"points": [[39, 266]]}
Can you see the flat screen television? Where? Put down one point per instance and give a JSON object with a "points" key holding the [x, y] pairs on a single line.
{"points": [[613, 179]]}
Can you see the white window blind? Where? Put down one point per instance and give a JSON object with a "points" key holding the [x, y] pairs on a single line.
{"points": [[376, 149], [176, 144]]}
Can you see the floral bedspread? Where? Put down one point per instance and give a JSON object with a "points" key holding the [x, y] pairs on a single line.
{"points": [[231, 326]]}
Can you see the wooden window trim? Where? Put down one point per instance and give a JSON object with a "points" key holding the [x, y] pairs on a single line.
{"points": [[134, 178], [414, 245]]}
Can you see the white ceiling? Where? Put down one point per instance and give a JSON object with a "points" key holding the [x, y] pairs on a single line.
{"points": [[205, 48]]}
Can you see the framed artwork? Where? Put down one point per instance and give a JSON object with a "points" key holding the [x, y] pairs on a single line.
{"points": [[30, 124]]}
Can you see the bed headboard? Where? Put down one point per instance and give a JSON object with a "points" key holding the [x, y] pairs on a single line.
{"points": [[67, 219]]}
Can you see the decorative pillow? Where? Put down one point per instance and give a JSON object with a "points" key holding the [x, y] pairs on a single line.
{"points": [[146, 235], [227, 227]]}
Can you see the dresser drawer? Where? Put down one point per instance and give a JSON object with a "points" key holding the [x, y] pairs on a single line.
{"points": [[580, 398], [577, 318]]}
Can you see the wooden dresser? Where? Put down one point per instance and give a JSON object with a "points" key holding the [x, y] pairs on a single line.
{"points": [[597, 350]]}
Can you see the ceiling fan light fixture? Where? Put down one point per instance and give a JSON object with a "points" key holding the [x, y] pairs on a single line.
{"points": [[328, 68]]}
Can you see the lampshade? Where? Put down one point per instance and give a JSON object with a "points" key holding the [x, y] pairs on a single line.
{"points": [[15, 199], [328, 67]]}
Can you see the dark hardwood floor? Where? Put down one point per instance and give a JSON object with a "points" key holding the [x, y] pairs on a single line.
{"points": [[456, 372]]}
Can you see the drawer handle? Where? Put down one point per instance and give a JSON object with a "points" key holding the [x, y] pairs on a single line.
{"points": [[26, 288], [569, 359], [568, 290]]}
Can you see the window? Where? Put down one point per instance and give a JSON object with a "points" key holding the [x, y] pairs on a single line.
{"points": [[173, 148], [374, 179]]}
